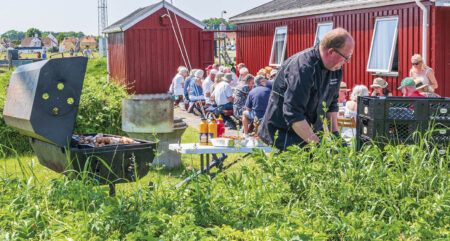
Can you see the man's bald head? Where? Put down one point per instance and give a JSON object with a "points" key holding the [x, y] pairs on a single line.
{"points": [[336, 48], [336, 39]]}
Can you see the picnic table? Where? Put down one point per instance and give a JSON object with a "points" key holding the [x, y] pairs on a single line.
{"points": [[208, 153]]}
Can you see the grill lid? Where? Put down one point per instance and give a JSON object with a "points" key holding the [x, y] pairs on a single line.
{"points": [[42, 99]]}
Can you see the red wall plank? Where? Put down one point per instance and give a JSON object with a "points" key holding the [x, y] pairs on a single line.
{"points": [[116, 57]]}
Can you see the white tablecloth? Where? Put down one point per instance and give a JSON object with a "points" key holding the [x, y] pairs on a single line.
{"points": [[195, 148]]}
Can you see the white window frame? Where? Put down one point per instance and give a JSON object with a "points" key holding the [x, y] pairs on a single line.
{"points": [[394, 43], [316, 40], [279, 30]]}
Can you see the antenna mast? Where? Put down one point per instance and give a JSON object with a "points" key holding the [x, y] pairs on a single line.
{"points": [[102, 16]]}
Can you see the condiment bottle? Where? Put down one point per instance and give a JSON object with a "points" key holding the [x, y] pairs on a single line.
{"points": [[203, 133], [212, 130], [220, 127]]}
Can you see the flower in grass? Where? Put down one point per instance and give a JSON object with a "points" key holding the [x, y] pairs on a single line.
{"points": [[104, 101]]}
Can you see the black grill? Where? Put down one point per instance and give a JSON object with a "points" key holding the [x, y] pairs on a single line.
{"points": [[42, 102]]}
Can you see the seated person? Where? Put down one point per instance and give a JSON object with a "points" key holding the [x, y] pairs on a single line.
{"points": [[207, 85], [233, 83], [408, 88], [177, 86], [217, 80], [351, 106], [195, 90], [342, 99], [223, 94], [379, 87], [187, 83], [240, 95], [256, 103]]}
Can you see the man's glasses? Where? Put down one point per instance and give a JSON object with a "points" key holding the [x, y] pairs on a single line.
{"points": [[343, 56], [415, 63]]}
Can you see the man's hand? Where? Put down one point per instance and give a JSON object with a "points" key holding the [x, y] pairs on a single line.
{"points": [[303, 130]]}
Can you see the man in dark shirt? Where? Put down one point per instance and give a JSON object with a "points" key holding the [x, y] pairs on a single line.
{"points": [[304, 82], [256, 103]]}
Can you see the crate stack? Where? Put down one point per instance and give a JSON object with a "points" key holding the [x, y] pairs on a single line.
{"points": [[399, 120]]}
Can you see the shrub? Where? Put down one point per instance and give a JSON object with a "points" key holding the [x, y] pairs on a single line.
{"points": [[99, 109]]}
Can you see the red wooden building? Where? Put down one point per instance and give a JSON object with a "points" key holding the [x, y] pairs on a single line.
{"points": [[145, 48], [386, 33]]}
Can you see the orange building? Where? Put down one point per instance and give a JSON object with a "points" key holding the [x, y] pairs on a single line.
{"points": [[88, 41]]}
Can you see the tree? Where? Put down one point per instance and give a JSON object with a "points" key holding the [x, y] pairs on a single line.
{"points": [[32, 31], [13, 34], [213, 23], [60, 37]]}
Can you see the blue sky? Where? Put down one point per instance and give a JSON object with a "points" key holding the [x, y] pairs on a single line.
{"points": [[81, 15]]}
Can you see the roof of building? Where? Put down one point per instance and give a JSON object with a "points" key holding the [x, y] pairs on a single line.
{"points": [[68, 40], [142, 13], [88, 39], [26, 42], [279, 9]]}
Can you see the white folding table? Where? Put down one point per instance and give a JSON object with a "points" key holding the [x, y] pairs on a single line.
{"points": [[196, 148]]}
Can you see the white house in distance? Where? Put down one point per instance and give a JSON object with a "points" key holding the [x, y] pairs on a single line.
{"points": [[36, 44]]}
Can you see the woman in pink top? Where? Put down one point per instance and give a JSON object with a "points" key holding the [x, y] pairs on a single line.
{"points": [[422, 73]]}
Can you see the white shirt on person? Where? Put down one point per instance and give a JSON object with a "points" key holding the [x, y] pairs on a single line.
{"points": [[235, 80], [177, 85], [222, 92], [206, 86]]}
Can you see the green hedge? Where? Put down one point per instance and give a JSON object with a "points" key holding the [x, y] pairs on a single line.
{"points": [[99, 110]]}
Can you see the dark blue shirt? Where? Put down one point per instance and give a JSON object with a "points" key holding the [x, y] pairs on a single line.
{"points": [[187, 83], [269, 83], [258, 99]]}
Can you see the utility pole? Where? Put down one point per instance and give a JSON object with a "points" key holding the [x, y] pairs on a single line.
{"points": [[102, 16]]}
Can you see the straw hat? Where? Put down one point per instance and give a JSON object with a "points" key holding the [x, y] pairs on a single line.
{"points": [[420, 85], [379, 82]]}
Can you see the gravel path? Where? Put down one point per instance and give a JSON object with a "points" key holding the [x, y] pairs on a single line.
{"points": [[193, 120]]}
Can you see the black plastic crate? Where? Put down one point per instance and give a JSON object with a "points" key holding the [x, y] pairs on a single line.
{"points": [[439, 111], [438, 132], [403, 108], [389, 130], [395, 120]]}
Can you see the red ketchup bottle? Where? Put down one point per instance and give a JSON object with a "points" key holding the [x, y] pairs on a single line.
{"points": [[220, 127]]}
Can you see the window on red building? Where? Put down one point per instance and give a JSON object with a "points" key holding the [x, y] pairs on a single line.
{"points": [[322, 29], [383, 56], [279, 46]]}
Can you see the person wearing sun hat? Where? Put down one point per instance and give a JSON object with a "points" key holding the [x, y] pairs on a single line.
{"points": [[379, 88], [343, 93], [408, 88], [424, 90]]}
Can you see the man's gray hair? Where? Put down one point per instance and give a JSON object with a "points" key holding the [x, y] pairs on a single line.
{"points": [[243, 71], [182, 70], [192, 73], [199, 73], [259, 79], [359, 90]]}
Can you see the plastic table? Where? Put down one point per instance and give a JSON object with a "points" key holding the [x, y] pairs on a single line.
{"points": [[206, 151]]}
